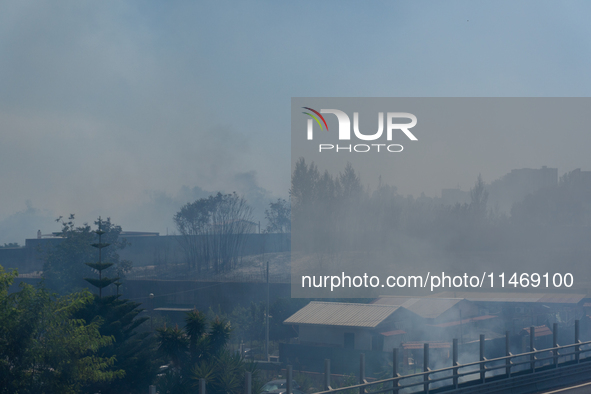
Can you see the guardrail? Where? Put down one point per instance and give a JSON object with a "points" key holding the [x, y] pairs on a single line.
{"points": [[457, 376], [483, 370]]}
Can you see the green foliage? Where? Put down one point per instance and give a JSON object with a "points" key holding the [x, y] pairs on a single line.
{"points": [[280, 310], [248, 323], [199, 352], [130, 352], [173, 345], [100, 266], [306, 383], [225, 373], [196, 327], [134, 351], [65, 268], [44, 348], [278, 216], [10, 245], [213, 231], [350, 380]]}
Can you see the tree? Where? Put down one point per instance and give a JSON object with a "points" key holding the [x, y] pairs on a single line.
{"points": [[565, 204], [304, 182], [213, 231], [101, 282], [479, 199], [134, 350], [278, 216], [350, 183], [64, 267], [248, 323], [280, 310], [44, 348], [326, 210], [199, 352]]}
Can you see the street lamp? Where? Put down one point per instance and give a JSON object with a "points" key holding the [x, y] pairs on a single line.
{"points": [[151, 309]]}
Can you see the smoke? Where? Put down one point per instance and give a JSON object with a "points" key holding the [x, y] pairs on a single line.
{"points": [[152, 212], [352, 233], [25, 224], [156, 210]]}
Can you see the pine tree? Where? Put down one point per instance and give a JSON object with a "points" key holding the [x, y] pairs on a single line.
{"points": [[100, 266], [132, 350]]}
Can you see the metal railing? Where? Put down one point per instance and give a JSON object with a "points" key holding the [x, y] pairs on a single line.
{"points": [[457, 374], [484, 370]]}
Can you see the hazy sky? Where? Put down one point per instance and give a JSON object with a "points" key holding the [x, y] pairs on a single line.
{"points": [[114, 107]]}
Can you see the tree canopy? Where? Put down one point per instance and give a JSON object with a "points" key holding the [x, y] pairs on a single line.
{"points": [[64, 269], [44, 347], [213, 231], [278, 216], [199, 352]]}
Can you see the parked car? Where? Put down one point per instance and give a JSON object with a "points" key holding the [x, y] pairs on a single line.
{"points": [[279, 386]]}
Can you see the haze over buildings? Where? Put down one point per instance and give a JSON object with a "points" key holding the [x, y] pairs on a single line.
{"points": [[129, 109]]}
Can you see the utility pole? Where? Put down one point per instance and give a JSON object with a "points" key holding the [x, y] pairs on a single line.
{"points": [[461, 333], [151, 310], [267, 317]]}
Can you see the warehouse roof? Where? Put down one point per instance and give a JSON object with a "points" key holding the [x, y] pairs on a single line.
{"points": [[342, 314], [546, 298], [429, 308]]}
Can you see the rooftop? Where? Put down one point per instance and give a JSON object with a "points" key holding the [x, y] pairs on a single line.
{"points": [[342, 314], [464, 321], [540, 331], [429, 308], [545, 298]]}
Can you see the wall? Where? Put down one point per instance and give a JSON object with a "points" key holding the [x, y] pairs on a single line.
{"points": [[12, 257], [202, 295], [469, 309], [142, 250], [333, 336], [342, 361]]}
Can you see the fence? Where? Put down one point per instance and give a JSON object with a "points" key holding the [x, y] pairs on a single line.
{"points": [[458, 375], [482, 371]]}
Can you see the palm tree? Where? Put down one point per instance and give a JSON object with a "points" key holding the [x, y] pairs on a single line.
{"points": [[196, 328]]}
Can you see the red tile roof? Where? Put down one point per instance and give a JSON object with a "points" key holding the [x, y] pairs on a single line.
{"points": [[541, 331], [420, 345], [464, 321], [395, 332]]}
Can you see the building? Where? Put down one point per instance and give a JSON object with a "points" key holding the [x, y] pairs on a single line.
{"points": [[518, 310], [434, 311], [354, 326], [445, 318], [340, 332]]}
